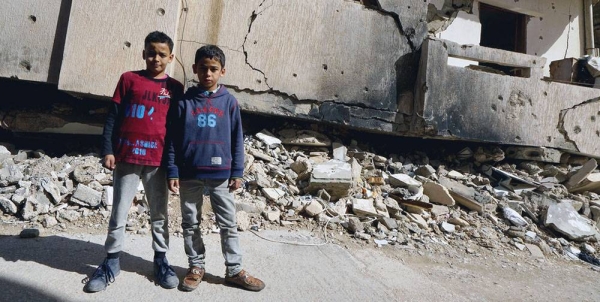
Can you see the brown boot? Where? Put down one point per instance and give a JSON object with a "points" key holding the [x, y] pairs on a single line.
{"points": [[244, 280], [192, 279]]}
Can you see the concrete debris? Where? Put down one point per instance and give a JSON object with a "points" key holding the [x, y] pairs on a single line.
{"points": [[539, 154], [581, 173], [298, 177], [563, 218]]}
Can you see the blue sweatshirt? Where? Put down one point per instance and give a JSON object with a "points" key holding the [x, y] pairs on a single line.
{"points": [[205, 137]]}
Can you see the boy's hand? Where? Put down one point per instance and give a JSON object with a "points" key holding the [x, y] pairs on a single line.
{"points": [[109, 161], [235, 184], [174, 185]]}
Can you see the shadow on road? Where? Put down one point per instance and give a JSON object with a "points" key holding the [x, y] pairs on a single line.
{"points": [[12, 288], [71, 255], [79, 256]]}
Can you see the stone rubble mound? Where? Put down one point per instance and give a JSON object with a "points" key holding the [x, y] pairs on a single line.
{"points": [[296, 177]]}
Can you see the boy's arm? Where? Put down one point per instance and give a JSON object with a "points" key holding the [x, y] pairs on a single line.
{"points": [[173, 119], [107, 136], [237, 144]]}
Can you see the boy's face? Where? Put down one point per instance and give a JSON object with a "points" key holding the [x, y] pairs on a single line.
{"points": [[157, 57], [208, 71]]}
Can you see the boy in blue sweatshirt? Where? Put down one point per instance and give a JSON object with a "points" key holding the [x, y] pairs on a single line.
{"points": [[207, 152]]}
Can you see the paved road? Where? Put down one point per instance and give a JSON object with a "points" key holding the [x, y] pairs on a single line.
{"points": [[50, 268]]}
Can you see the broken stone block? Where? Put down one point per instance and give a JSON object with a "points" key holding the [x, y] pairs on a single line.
{"points": [[455, 175], [590, 183], [10, 173], [462, 194], [363, 236], [107, 195], [49, 221], [334, 176], [563, 218], [458, 221], [364, 207], [403, 180], [86, 196], [4, 152], [425, 171], [52, 189], [42, 203], [268, 138], [438, 194], [8, 206], [313, 208], [9, 189], [419, 220], [339, 152], [261, 155], [438, 211], [272, 194], [28, 210], [257, 207], [301, 165], [581, 173], [447, 227], [68, 215], [243, 220], [272, 215], [84, 174], [392, 205], [388, 222], [355, 225]]}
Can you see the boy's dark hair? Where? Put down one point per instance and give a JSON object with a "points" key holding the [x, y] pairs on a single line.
{"points": [[158, 37], [211, 52]]}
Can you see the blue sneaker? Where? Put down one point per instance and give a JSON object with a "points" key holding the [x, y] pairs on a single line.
{"points": [[164, 274], [104, 274]]}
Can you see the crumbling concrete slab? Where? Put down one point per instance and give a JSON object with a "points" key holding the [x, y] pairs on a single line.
{"points": [[582, 173], [490, 107], [86, 196], [334, 176], [364, 207], [462, 194], [590, 183], [438, 193], [403, 180], [563, 218]]}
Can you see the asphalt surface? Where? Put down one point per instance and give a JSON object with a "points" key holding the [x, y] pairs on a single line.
{"points": [[51, 268]]}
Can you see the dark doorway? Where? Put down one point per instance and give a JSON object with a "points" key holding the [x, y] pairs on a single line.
{"points": [[502, 29]]}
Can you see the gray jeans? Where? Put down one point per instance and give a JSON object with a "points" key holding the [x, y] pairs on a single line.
{"points": [[224, 208], [126, 180]]}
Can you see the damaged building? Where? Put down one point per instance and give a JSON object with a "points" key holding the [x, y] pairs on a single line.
{"points": [[486, 71]]}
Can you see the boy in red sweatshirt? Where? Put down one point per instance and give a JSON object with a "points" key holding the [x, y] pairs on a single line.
{"points": [[206, 151], [133, 147]]}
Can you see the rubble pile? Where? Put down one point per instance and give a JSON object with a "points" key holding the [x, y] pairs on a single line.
{"points": [[532, 199]]}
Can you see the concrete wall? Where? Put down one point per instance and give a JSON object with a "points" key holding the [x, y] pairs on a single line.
{"points": [[106, 38], [475, 105], [32, 38], [555, 29], [280, 60]]}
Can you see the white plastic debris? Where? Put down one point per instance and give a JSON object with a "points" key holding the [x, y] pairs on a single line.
{"points": [[514, 217]]}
